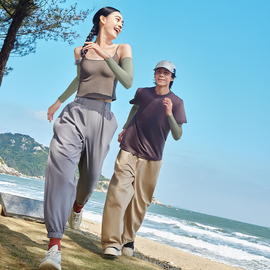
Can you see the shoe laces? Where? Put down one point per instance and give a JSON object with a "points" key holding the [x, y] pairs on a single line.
{"points": [[53, 253], [77, 216]]}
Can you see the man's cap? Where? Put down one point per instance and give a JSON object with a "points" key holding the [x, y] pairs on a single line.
{"points": [[166, 64]]}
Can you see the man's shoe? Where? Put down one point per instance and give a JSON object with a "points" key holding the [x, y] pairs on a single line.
{"points": [[75, 219], [128, 249], [52, 259], [112, 251]]}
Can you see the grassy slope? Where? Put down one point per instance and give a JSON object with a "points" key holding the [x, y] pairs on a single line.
{"points": [[23, 245]]}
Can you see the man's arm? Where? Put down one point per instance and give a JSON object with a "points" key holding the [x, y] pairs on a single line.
{"points": [[176, 128], [132, 112]]}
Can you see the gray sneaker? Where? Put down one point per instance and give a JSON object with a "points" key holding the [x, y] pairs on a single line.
{"points": [[75, 219], [52, 259]]}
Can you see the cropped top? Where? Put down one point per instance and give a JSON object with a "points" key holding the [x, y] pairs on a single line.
{"points": [[97, 80]]}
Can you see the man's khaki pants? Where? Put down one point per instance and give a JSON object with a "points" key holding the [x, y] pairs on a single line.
{"points": [[129, 194]]}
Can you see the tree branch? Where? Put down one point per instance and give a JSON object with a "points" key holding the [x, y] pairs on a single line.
{"points": [[6, 10]]}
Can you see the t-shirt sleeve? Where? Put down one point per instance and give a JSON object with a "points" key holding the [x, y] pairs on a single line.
{"points": [[179, 112], [136, 99]]}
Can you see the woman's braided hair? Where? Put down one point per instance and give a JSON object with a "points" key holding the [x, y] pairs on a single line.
{"points": [[105, 11]]}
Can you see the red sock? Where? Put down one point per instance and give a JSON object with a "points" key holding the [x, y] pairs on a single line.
{"points": [[77, 208], [53, 242]]}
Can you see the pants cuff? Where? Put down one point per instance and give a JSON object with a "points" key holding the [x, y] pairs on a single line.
{"points": [[55, 235]]}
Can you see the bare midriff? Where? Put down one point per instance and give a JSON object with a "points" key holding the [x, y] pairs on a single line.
{"points": [[104, 100]]}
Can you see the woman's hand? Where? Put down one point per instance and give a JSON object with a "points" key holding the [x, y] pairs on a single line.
{"points": [[97, 49], [53, 109], [168, 103], [121, 135]]}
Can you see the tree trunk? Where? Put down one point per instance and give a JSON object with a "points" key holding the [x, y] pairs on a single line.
{"points": [[18, 17]]}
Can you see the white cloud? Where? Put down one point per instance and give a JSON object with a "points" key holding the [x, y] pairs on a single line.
{"points": [[38, 115]]}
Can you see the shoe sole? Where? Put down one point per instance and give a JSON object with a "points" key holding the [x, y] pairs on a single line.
{"points": [[127, 251], [49, 264], [112, 251]]}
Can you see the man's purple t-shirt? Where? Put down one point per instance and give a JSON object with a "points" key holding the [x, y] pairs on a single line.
{"points": [[147, 132]]}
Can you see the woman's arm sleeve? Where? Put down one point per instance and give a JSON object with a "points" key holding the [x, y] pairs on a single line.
{"points": [[175, 127], [124, 74], [132, 112], [72, 88]]}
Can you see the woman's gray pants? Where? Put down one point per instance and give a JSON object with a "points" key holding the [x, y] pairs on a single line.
{"points": [[82, 135]]}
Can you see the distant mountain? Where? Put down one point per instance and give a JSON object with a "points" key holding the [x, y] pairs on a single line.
{"points": [[28, 157], [24, 154]]}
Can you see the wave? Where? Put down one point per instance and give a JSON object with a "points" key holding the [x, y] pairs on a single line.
{"points": [[95, 204], [184, 226], [92, 216], [37, 195], [8, 184], [206, 226], [245, 235], [221, 250]]}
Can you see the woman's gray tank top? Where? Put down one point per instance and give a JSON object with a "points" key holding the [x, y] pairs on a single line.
{"points": [[97, 80]]}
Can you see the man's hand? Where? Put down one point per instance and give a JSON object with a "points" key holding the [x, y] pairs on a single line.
{"points": [[168, 103], [121, 135]]}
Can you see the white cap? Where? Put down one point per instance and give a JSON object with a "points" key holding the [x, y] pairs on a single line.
{"points": [[166, 64]]}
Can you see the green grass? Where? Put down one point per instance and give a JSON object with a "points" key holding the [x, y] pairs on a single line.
{"points": [[24, 243]]}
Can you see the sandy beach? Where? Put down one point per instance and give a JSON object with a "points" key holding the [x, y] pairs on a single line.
{"points": [[164, 253]]}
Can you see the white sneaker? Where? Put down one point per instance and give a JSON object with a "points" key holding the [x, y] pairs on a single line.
{"points": [[75, 219], [128, 249], [52, 259], [113, 251]]}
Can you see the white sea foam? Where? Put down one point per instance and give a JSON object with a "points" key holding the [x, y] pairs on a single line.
{"points": [[245, 235], [97, 204], [213, 234], [92, 216], [207, 227], [8, 184], [23, 192], [25, 177], [221, 250]]}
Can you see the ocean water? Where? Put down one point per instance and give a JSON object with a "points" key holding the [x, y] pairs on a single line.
{"points": [[231, 242]]}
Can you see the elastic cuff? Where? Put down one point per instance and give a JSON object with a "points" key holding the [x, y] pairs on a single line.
{"points": [[109, 59], [55, 235]]}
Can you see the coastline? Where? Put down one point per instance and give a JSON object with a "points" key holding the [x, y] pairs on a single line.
{"points": [[163, 253], [24, 242], [145, 249]]}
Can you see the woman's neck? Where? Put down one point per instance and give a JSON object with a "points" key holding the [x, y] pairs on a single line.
{"points": [[103, 41]]}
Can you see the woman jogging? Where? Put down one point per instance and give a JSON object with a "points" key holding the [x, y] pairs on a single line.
{"points": [[84, 129]]}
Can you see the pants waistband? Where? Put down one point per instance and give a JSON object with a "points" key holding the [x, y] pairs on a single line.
{"points": [[94, 104]]}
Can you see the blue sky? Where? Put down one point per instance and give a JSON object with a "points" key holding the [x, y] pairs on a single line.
{"points": [[222, 57]]}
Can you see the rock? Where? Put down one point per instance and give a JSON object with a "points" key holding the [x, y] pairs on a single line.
{"points": [[155, 201], [18, 206], [7, 170]]}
